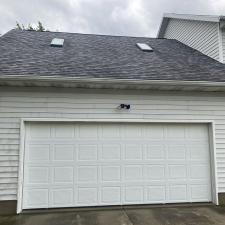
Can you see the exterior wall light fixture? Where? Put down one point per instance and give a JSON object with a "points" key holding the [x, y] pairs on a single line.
{"points": [[124, 106]]}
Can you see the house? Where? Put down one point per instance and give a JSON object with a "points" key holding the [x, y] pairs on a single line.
{"points": [[94, 120], [204, 33]]}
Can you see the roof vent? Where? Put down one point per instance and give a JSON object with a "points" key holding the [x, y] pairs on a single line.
{"points": [[57, 42], [144, 47]]}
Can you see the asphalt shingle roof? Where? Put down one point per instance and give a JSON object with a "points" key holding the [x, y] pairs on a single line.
{"points": [[101, 56]]}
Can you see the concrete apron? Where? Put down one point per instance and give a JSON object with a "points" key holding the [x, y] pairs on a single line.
{"points": [[132, 215]]}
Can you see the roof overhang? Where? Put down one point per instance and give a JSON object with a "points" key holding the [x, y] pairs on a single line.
{"points": [[168, 16], [105, 83]]}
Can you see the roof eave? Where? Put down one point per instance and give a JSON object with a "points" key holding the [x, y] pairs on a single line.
{"points": [[103, 83], [206, 18]]}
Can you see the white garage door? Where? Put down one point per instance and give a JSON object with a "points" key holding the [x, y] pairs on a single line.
{"points": [[90, 164]]}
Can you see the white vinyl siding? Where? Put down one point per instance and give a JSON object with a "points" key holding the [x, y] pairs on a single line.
{"points": [[200, 35], [61, 103]]}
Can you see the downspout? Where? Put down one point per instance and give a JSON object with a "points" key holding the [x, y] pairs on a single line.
{"points": [[220, 40], [221, 29]]}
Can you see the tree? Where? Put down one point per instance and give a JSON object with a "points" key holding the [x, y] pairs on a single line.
{"points": [[20, 27], [30, 28], [39, 27]]}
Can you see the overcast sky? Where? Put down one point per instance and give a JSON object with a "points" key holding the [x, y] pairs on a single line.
{"points": [[115, 17]]}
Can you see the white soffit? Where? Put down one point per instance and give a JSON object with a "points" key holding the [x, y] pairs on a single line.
{"points": [[207, 18]]}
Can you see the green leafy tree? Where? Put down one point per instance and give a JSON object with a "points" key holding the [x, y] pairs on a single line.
{"points": [[20, 27], [39, 27], [30, 28]]}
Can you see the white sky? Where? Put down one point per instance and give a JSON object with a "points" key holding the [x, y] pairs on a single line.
{"points": [[115, 17]]}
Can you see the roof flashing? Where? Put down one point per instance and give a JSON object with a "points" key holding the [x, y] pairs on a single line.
{"points": [[57, 42], [144, 47]]}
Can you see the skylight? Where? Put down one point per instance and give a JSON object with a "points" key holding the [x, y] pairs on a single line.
{"points": [[57, 42], [144, 47]]}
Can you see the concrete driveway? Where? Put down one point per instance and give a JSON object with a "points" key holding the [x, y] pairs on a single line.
{"points": [[173, 215]]}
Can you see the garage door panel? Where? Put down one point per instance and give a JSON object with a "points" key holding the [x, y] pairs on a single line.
{"points": [[110, 133], [199, 171], [67, 131], [199, 192], [198, 151], [176, 151], [61, 197], [36, 130], [133, 152], [131, 132], [87, 174], [155, 172], [110, 173], [38, 152], [75, 164], [174, 133], [155, 152], [177, 171], [88, 131], [63, 152], [134, 195], [178, 193], [110, 152], [110, 195], [87, 196], [87, 152], [133, 173], [35, 198], [156, 194], [37, 175], [62, 175], [194, 131], [153, 132]]}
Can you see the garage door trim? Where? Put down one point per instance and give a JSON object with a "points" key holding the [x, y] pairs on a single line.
{"points": [[210, 123]]}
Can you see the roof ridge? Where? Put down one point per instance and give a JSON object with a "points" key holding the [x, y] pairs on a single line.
{"points": [[76, 33]]}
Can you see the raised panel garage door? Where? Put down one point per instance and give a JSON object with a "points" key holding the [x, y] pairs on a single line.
{"points": [[92, 164]]}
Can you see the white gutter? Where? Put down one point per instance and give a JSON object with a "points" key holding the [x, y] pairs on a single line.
{"points": [[109, 81]]}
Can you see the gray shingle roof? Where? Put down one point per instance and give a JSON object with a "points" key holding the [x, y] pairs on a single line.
{"points": [[101, 56]]}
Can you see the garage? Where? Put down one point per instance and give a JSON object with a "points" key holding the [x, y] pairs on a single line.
{"points": [[75, 164]]}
